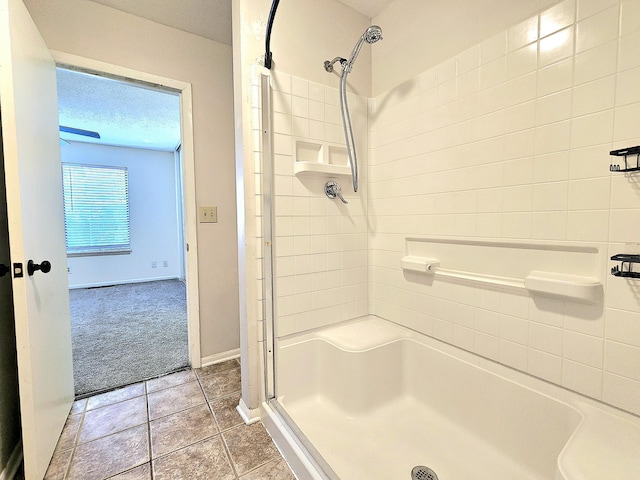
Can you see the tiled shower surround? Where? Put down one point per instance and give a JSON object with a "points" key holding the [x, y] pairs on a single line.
{"points": [[508, 140], [320, 245]]}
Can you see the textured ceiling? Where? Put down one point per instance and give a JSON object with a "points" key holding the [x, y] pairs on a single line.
{"points": [[123, 114]]}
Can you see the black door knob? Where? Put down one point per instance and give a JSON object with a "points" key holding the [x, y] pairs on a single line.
{"points": [[44, 267], [4, 269]]}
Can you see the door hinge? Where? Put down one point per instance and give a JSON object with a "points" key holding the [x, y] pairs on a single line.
{"points": [[18, 271]]}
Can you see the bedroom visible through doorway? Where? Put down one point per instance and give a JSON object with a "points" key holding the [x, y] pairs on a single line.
{"points": [[124, 223]]}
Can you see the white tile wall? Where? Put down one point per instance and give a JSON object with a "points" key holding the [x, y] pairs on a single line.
{"points": [[510, 139], [320, 245]]}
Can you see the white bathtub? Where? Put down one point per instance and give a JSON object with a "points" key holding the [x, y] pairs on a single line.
{"points": [[376, 399]]}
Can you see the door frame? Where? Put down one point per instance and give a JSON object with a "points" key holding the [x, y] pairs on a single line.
{"points": [[189, 208]]}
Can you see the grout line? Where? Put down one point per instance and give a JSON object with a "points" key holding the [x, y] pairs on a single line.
{"points": [[220, 434], [146, 396], [229, 457], [75, 442]]}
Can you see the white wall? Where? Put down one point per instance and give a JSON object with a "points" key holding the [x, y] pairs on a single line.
{"points": [[153, 213], [305, 34], [308, 32], [510, 139]]}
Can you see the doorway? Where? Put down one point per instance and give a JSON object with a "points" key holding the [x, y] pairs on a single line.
{"points": [[129, 287]]}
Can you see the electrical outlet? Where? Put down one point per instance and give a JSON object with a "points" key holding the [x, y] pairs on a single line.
{"points": [[208, 214], [154, 264], [165, 263], [69, 270]]}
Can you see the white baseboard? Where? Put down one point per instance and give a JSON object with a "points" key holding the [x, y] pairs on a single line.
{"points": [[10, 469], [220, 357], [248, 415]]}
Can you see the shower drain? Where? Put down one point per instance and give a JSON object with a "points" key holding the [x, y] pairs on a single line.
{"points": [[423, 473]]}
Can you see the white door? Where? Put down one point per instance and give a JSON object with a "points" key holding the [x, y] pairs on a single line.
{"points": [[29, 111]]}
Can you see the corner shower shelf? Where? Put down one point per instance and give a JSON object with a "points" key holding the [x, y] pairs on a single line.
{"points": [[626, 152], [320, 159], [320, 169], [619, 270]]}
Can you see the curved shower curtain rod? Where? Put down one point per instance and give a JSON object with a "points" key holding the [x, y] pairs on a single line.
{"points": [[268, 56]]}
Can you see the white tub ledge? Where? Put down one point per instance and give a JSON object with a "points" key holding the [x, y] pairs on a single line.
{"points": [[603, 446]]}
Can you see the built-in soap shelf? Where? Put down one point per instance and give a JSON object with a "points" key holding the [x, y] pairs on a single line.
{"points": [[562, 270], [622, 270], [320, 158], [629, 165]]}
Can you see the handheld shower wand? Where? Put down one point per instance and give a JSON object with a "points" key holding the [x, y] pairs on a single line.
{"points": [[371, 35]]}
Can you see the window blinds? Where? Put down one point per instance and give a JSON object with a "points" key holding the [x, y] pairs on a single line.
{"points": [[96, 209]]}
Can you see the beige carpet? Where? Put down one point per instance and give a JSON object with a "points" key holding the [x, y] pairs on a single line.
{"points": [[127, 333]]}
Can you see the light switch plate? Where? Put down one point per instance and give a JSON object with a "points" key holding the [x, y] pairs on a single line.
{"points": [[208, 214]]}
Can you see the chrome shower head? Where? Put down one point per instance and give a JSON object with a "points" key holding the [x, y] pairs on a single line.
{"points": [[370, 35], [373, 34]]}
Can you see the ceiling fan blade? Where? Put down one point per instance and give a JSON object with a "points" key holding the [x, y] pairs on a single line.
{"points": [[78, 131]]}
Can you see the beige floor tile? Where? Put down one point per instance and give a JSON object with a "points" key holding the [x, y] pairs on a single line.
{"points": [[69, 433], [184, 428], [186, 443], [274, 470], [110, 455], [174, 399], [217, 368], [206, 460], [224, 409], [143, 472], [78, 406], [221, 384], [58, 465], [170, 380], [115, 396], [250, 446], [113, 418]]}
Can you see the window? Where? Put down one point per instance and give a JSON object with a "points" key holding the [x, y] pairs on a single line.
{"points": [[96, 209]]}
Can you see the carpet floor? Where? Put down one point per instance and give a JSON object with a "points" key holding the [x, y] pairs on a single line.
{"points": [[124, 334]]}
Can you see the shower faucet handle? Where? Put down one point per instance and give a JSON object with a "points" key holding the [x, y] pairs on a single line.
{"points": [[333, 190]]}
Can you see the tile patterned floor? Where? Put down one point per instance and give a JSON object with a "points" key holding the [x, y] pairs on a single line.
{"points": [[180, 426]]}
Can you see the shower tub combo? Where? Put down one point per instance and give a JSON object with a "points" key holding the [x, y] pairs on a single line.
{"points": [[375, 400]]}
